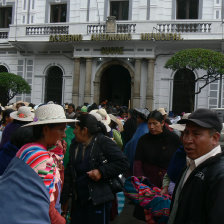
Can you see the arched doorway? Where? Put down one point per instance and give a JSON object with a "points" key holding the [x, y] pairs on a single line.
{"points": [[3, 68], [53, 85], [115, 85], [183, 91]]}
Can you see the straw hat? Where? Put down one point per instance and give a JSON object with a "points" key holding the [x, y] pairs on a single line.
{"points": [[162, 111], [105, 117], [23, 114], [2, 107], [117, 121], [99, 118], [9, 107], [49, 114], [180, 127]]}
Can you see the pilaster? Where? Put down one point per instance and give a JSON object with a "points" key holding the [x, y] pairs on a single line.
{"points": [[76, 77]]}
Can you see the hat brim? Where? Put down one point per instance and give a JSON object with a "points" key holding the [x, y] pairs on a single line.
{"points": [[107, 121], [14, 116], [179, 127], [107, 127], [141, 113], [52, 121], [196, 121]]}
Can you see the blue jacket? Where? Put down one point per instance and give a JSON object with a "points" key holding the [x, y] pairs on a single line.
{"points": [[23, 195], [130, 147]]}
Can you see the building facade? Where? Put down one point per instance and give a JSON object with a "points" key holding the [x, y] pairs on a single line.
{"points": [[91, 50]]}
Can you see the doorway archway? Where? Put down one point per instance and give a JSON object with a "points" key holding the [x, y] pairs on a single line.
{"points": [[101, 71], [183, 91], [53, 85], [115, 85], [3, 68]]}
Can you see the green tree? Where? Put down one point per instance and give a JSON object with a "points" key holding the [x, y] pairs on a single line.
{"points": [[11, 85], [210, 61]]}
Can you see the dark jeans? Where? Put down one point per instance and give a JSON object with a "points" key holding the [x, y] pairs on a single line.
{"points": [[90, 214]]}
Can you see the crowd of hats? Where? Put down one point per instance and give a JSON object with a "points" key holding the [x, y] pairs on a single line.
{"points": [[24, 111]]}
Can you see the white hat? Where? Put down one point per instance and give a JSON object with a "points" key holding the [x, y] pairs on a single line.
{"points": [[144, 112], [117, 121], [2, 107], [180, 127], [23, 114], [10, 107], [162, 111], [99, 118], [105, 117], [49, 114]]}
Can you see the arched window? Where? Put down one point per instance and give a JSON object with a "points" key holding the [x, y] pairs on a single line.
{"points": [[183, 91], [53, 85], [3, 68]]}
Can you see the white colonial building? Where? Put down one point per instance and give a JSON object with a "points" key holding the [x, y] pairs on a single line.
{"points": [[90, 50]]}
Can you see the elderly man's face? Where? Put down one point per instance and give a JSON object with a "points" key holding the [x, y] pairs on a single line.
{"points": [[198, 141]]}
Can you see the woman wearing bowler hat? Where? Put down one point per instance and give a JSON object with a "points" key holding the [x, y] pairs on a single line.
{"points": [[27, 187]]}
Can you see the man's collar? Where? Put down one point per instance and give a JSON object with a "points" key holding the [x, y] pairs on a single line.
{"points": [[201, 159]]}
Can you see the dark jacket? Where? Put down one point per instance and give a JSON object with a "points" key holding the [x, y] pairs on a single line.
{"points": [[201, 199], [8, 131], [108, 158], [153, 155], [6, 155]]}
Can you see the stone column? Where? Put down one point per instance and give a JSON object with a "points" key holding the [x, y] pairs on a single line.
{"points": [[137, 83], [87, 91], [76, 76], [96, 93], [150, 84]]}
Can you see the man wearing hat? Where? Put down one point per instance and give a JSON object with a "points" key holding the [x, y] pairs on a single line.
{"points": [[199, 195]]}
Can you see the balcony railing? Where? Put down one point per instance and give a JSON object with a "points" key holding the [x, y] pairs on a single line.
{"points": [[96, 29], [126, 28], [121, 28], [46, 30], [184, 27], [3, 35], [189, 29]]}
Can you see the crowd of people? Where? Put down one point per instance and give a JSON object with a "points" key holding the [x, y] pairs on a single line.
{"points": [[59, 164]]}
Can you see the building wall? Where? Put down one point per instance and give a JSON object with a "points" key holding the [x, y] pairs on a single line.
{"points": [[87, 12], [38, 11]]}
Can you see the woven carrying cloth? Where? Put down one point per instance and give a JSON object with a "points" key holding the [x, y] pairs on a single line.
{"points": [[141, 192]]}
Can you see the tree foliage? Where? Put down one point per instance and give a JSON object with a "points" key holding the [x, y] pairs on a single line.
{"points": [[11, 85], [208, 60]]}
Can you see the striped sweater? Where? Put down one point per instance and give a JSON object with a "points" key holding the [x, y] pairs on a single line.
{"points": [[38, 158]]}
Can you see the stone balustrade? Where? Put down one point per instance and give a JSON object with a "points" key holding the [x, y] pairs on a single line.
{"points": [[97, 28], [184, 27], [3, 35], [121, 28], [126, 28], [46, 30]]}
